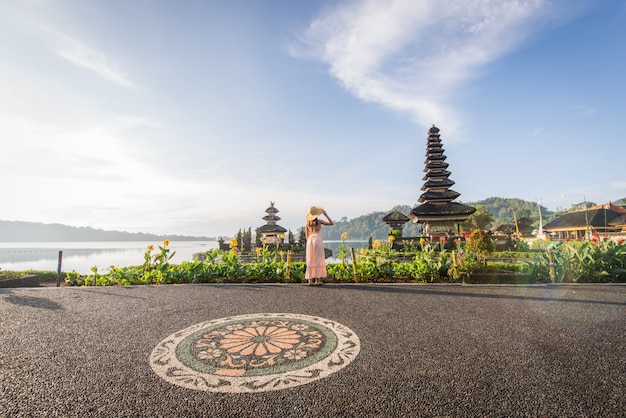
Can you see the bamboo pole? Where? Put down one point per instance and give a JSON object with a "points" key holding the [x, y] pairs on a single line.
{"points": [[356, 276]]}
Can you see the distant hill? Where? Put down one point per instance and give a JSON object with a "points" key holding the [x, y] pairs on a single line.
{"points": [[371, 225], [499, 208], [620, 202], [18, 231]]}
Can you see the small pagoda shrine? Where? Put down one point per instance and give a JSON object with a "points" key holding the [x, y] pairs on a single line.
{"points": [[271, 233], [437, 212], [396, 220]]}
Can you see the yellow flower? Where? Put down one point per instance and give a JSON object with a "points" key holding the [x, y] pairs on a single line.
{"points": [[166, 243], [391, 238], [282, 236], [150, 247], [422, 240], [233, 242], [344, 235], [258, 250], [376, 244]]}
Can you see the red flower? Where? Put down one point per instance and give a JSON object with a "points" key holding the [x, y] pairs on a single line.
{"points": [[463, 234], [566, 239], [594, 239], [621, 240], [595, 233]]}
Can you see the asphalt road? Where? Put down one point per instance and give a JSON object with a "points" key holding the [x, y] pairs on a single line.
{"points": [[426, 350]]}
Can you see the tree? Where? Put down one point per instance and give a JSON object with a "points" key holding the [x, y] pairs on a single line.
{"points": [[479, 242], [481, 219]]}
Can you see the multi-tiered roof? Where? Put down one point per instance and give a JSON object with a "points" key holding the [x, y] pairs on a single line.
{"points": [[271, 231], [437, 210]]}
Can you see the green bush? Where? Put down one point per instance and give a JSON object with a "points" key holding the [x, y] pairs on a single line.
{"points": [[598, 261]]}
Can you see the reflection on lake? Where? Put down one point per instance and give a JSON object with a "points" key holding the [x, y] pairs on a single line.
{"points": [[82, 256]]}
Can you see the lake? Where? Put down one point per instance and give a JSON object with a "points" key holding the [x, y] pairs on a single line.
{"points": [[82, 256]]}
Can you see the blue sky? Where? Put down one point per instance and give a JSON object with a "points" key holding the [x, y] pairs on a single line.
{"points": [[189, 117]]}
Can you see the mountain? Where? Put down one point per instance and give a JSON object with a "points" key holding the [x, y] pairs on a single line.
{"points": [[17, 231], [620, 202], [371, 225], [499, 207]]}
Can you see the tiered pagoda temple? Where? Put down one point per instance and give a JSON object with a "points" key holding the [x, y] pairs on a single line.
{"points": [[271, 233], [438, 213]]}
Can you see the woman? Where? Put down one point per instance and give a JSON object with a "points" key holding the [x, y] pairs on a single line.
{"points": [[315, 261]]}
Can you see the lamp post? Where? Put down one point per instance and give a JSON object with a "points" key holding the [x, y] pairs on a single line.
{"points": [[587, 234]]}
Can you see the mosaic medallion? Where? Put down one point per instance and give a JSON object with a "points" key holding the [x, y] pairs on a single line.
{"points": [[255, 353]]}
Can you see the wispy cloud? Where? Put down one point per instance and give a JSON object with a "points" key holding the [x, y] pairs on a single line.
{"points": [[584, 111], [79, 53], [411, 55]]}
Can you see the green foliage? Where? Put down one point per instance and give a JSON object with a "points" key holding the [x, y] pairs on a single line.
{"points": [[598, 261], [46, 276], [481, 220], [479, 242], [499, 208]]}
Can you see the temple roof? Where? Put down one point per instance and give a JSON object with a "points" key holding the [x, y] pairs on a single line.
{"points": [[432, 196], [620, 220], [395, 216], [437, 184], [434, 158], [596, 218], [436, 165], [436, 174], [271, 228], [428, 210]]}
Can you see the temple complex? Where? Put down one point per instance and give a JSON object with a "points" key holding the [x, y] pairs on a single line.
{"points": [[271, 233], [438, 213]]}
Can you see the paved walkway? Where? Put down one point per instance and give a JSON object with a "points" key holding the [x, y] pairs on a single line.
{"points": [[341, 350]]}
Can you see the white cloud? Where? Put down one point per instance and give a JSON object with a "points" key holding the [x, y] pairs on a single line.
{"points": [[411, 55], [79, 53]]}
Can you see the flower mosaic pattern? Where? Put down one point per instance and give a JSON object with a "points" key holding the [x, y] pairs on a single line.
{"points": [[253, 353], [235, 348]]}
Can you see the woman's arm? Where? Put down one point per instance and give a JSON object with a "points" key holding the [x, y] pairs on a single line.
{"points": [[330, 221]]}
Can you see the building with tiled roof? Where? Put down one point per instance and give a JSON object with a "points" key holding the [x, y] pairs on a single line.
{"points": [[603, 219]]}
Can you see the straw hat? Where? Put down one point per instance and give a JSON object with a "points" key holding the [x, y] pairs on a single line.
{"points": [[314, 212]]}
